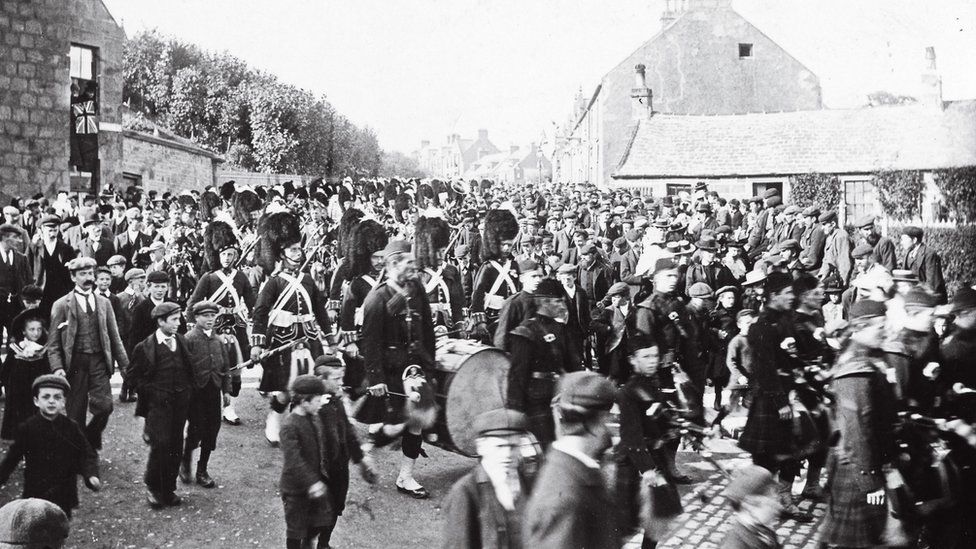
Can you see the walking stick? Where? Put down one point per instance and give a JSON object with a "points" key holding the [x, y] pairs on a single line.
{"points": [[269, 353]]}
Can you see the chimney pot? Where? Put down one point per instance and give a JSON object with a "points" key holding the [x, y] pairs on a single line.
{"points": [[640, 79], [931, 80]]}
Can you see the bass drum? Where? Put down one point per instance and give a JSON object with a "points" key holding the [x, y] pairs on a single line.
{"points": [[471, 378]]}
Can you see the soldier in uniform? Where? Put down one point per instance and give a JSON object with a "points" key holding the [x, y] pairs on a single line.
{"points": [[289, 311], [364, 253], [341, 275], [498, 276], [230, 289], [520, 305], [540, 355], [441, 280], [398, 334]]}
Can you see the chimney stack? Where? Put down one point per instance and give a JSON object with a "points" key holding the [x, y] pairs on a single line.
{"points": [[641, 96], [931, 81]]}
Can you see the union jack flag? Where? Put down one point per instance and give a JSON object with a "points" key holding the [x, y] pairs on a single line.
{"points": [[85, 121]]}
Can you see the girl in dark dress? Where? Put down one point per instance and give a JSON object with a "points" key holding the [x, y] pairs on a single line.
{"points": [[26, 361]]}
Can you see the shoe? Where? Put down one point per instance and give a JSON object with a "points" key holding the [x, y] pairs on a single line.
{"points": [[172, 500], [814, 494], [203, 479], [154, 499], [419, 493], [234, 421], [186, 477], [681, 479], [230, 416]]}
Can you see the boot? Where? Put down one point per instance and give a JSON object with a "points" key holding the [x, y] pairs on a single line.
{"points": [[790, 510], [204, 479], [272, 427], [230, 414]]}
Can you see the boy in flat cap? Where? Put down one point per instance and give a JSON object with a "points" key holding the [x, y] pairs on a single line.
{"points": [[752, 495], [54, 449], [212, 355], [161, 373], [84, 345], [33, 523], [485, 508], [570, 505]]}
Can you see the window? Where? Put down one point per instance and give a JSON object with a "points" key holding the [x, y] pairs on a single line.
{"points": [[83, 159], [859, 199], [745, 50], [674, 188], [760, 187], [82, 62], [132, 179]]}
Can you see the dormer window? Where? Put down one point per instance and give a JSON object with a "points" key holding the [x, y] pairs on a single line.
{"points": [[745, 50]]}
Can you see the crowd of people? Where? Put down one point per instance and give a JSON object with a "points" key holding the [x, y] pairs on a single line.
{"points": [[845, 352]]}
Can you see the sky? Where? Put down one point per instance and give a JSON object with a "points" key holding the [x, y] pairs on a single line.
{"points": [[423, 69]]}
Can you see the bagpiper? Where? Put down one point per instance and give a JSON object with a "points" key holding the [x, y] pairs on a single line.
{"points": [[441, 280], [289, 315], [230, 289]]}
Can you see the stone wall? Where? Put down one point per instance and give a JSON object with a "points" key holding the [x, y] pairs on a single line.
{"points": [[167, 166], [35, 40]]}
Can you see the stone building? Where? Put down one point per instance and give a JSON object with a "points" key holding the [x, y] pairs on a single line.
{"points": [[706, 60], [455, 157], [61, 76]]}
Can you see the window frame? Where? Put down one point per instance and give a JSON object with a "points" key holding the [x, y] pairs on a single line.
{"points": [[750, 47]]}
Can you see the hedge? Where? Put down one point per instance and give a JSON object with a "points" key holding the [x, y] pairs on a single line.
{"points": [[956, 247]]}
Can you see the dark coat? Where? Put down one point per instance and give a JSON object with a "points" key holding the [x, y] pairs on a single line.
{"points": [[142, 368], [927, 266], [128, 248], [309, 459], [210, 283], [812, 243], [106, 249], [765, 433], [56, 452], [60, 279], [21, 274], [210, 359], [569, 507], [715, 275], [475, 519]]}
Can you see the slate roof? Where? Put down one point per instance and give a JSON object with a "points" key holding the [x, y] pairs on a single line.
{"points": [[827, 141]]}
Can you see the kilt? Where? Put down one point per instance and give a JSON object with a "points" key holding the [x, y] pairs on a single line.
{"points": [[303, 515], [765, 433], [277, 369], [849, 520]]}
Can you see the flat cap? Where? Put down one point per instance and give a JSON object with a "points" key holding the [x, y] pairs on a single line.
{"points": [[157, 277], [33, 523], [827, 217], [529, 266], [770, 192], [773, 201], [328, 360], [913, 231], [867, 308], [8, 228], [500, 422], [750, 480], [567, 268], [700, 290], [789, 244], [204, 307], [50, 219], [791, 209], [396, 247], [164, 310], [588, 248], [620, 243], [52, 381], [811, 211], [619, 288], [569, 214], [307, 384], [862, 250], [723, 289], [80, 263], [777, 281], [134, 273], [866, 220], [665, 264], [919, 296], [585, 391], [963, 299], [116, 260], [156, 246]]}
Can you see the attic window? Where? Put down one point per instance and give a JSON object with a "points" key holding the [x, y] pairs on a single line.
{"points": [[745, 50]]}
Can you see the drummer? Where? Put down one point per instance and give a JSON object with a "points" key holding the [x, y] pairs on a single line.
{"points": [[398, 332]]}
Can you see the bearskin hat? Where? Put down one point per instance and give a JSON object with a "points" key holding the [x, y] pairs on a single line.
{"points": [[227, 190], [379, 187], [366, 238], [499, 225], [187, 199], [217, 237], [344, 195], [209, 201], [390, 192], [431, 234], [347, 222], [368, 188], [439, 188], [276, 232], [314, 185], [288, 187], [245, 202]]}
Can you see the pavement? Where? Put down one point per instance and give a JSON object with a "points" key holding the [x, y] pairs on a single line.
{"points": [[245, 509]]}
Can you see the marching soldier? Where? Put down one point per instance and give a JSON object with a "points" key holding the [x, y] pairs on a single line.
{"points": [[441, 280], [498, 277], [289, 315], [231, 291], [365, 267], [398, 336]]}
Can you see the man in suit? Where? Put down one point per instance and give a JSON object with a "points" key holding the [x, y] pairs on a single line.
{"points": [[11, 216], [133, 295], [162, 375], [812, 240], [132, 239], [95, 246], [578, 325], [14, 274], [563, 239], [48, 258], [485, 508], [837, 249], [884, 253], [570, 505], [923, 261], [83, 345]]}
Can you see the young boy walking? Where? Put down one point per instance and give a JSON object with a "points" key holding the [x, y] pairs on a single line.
{"points": [[54, 449]]}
